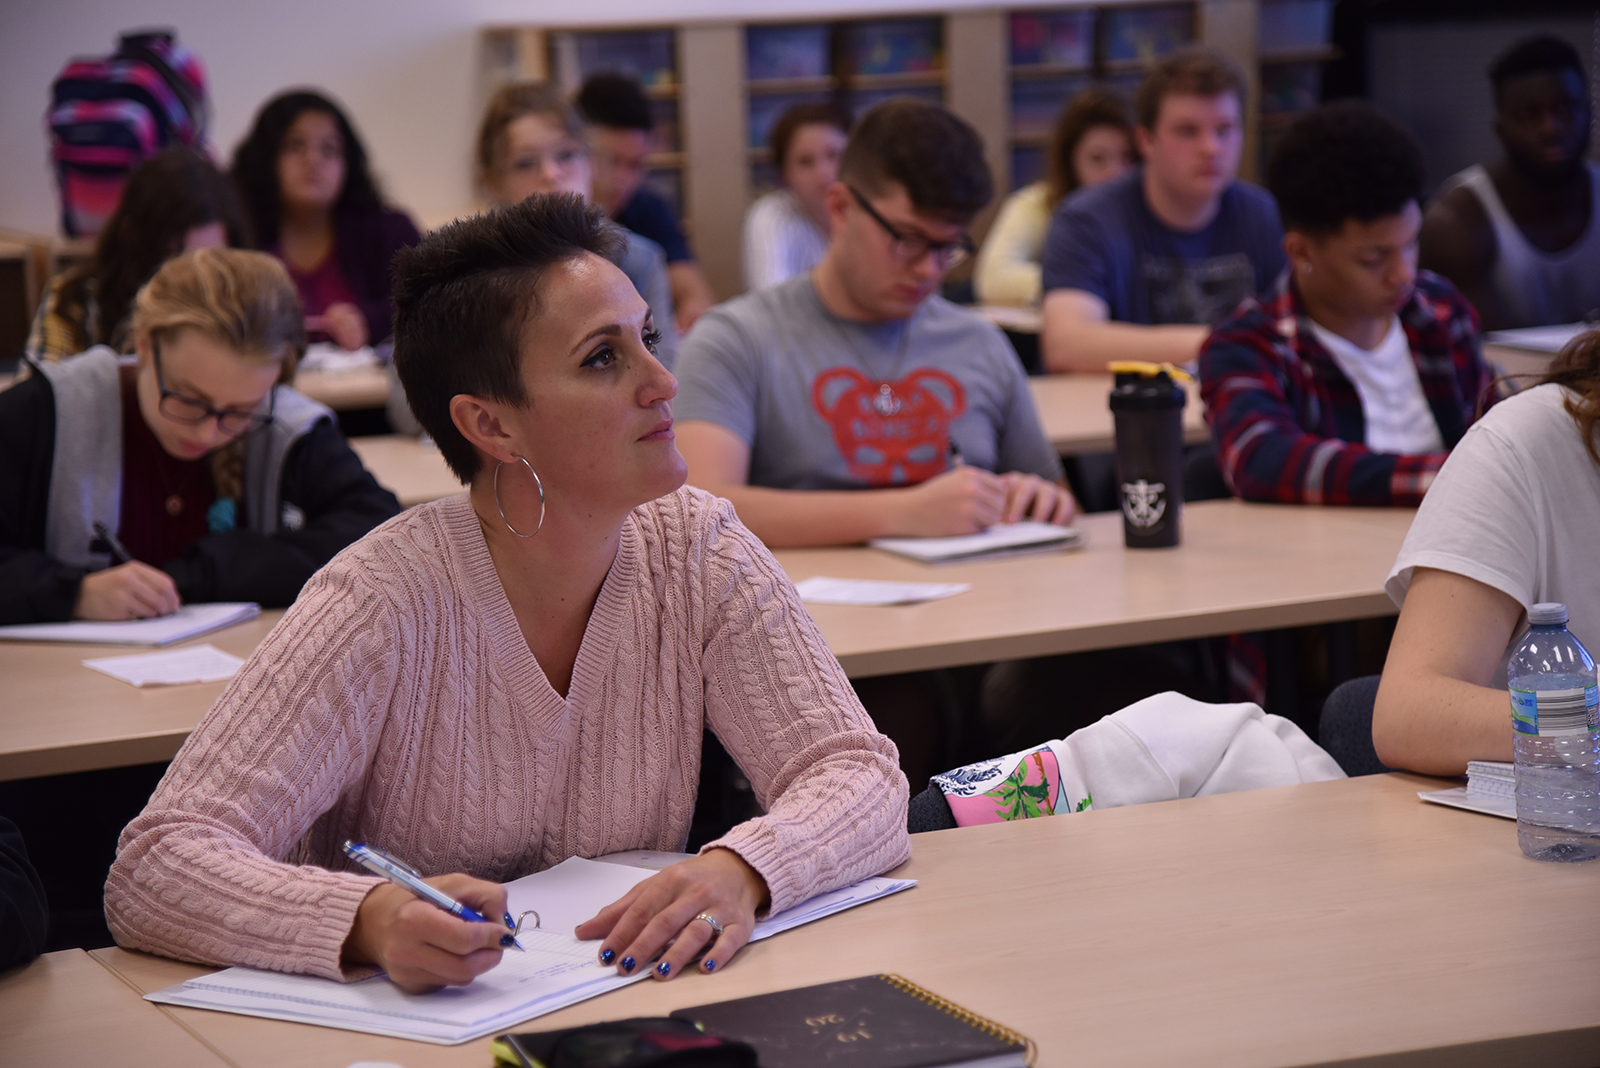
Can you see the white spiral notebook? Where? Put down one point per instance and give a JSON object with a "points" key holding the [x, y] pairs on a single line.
{"points": [[556, 971]]}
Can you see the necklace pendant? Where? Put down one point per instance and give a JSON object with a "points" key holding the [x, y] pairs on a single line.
{"points": [[174, 505], [886, 402]]}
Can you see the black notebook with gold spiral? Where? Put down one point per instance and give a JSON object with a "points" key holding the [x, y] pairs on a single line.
{"points": [[876, 1021]]}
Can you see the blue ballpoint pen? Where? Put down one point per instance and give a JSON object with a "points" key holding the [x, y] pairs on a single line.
{"points": [[406, 877]]}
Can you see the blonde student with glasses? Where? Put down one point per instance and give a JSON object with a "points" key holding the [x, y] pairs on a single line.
{"points": [[192, 474]]}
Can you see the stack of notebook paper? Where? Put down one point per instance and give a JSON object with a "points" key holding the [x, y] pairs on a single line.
{"points": [[1491, 788]]}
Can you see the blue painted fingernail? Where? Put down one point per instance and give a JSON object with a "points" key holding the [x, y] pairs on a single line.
{"points": [[663, 969], [607, 956], [627, 964], [711, 965]]}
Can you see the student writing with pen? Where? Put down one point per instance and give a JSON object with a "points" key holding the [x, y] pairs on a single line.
{"points": [[216, 481]]}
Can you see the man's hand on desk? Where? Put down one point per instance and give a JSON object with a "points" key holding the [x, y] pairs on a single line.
{"points": [[666, 907], [421, 946], [128, 591], [966, 500]]}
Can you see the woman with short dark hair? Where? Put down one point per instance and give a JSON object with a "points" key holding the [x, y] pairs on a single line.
{"points": [[500, 680], [304, 176]]}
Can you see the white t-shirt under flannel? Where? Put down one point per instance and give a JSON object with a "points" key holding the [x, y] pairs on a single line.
{"points": [[1396, 412]]}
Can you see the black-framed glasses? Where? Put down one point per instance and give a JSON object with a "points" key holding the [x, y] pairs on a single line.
{"points": [[182, 409], [910, 249]]}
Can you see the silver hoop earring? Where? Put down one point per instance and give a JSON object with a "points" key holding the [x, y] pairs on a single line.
{"points": [[502, 511]]}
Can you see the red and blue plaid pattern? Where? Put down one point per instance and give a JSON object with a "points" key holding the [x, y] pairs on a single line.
{"points": [[1288, 424]]}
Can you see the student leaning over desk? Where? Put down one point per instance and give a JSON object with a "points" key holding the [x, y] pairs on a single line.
{"points": [[499, 680], [222, 483]]}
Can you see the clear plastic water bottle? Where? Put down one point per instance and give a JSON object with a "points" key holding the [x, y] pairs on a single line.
{"points": [[1555, 715]]}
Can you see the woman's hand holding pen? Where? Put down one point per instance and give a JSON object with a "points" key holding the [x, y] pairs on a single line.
{"points": [[666, 908], [128, 591], [421, 946]]}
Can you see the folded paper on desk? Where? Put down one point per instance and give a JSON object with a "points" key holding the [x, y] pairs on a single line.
{"points": [[190, 621], [556, 971], [822, 590], [1002, 539], [174, 667]]}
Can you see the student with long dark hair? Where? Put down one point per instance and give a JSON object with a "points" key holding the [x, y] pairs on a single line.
{"points": [[176, 200], [314, 204]]}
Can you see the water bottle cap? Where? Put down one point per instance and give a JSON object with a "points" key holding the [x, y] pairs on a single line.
{"points": [[1547, 614]]}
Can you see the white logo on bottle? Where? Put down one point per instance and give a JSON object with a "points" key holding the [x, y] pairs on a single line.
{"points": [[1143, 503]]}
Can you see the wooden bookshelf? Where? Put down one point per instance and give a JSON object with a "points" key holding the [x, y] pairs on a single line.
{"points": [[721, 95]]}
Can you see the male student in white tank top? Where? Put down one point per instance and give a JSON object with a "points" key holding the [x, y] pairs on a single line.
{"points": [[1519, 236], [1349, 381]]}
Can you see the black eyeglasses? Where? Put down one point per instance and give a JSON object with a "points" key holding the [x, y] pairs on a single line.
{"points": [[910, 249], [182, 409]]}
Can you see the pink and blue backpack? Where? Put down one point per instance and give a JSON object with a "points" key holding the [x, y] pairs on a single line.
{"points": [[109, 114]]}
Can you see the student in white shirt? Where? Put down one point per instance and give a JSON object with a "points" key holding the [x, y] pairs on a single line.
{"points": [[1092, 142], [1512, 520], [786, 230]]}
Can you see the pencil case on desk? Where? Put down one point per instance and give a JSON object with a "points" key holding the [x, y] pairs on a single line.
{"points": [[643, 1042]]}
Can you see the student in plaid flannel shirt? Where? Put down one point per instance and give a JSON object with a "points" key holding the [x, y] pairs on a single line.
{"points": [[1350, 380]]}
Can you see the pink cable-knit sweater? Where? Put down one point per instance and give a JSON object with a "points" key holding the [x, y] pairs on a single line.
{"points": [[398, 702]]}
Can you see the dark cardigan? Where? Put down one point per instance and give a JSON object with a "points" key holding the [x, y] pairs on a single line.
{"points": [[365, 245]]}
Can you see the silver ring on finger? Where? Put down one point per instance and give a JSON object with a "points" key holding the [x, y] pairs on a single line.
{"points": [[716, 928]]}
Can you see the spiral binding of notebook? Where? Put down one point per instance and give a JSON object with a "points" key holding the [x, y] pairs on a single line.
{"points": [[966, 1016]]}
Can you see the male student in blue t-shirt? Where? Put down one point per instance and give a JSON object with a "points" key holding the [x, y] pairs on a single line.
{"points": [[621, 129], [1139, 267]]}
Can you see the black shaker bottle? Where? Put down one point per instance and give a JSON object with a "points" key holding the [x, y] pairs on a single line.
{"points": [[1147, 408]]}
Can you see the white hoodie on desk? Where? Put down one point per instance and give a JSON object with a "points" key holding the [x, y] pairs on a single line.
{"points": [[1162, 748]]}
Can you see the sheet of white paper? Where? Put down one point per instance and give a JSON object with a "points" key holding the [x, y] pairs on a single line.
{"points": [[1002, 539], [190, 621], [1458, 797], [556, 971], [820, 589], [326, 356], [1538, 338], [192, 663]]}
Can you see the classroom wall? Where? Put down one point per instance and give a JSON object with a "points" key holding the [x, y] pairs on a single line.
{"points": [[1433, 77], [406, 69]]}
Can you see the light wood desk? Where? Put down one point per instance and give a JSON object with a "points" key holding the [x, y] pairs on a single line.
{"points": [[66, 1007], [58, 716], [343, 391], [1241, 567], [413, 472], [1335, 923], [1075, 411]]}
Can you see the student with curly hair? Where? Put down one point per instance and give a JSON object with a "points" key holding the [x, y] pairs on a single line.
{"points": [[1511, 521], [314, 204], [1350, 381], [176, 200], [1092, 142]]}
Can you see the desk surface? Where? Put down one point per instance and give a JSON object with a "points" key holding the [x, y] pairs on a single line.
{"points": [[1075, 411], [66, 1008], [357, 388], [58, 716], [414, 472], [1241, 567], [1304, 925]]}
